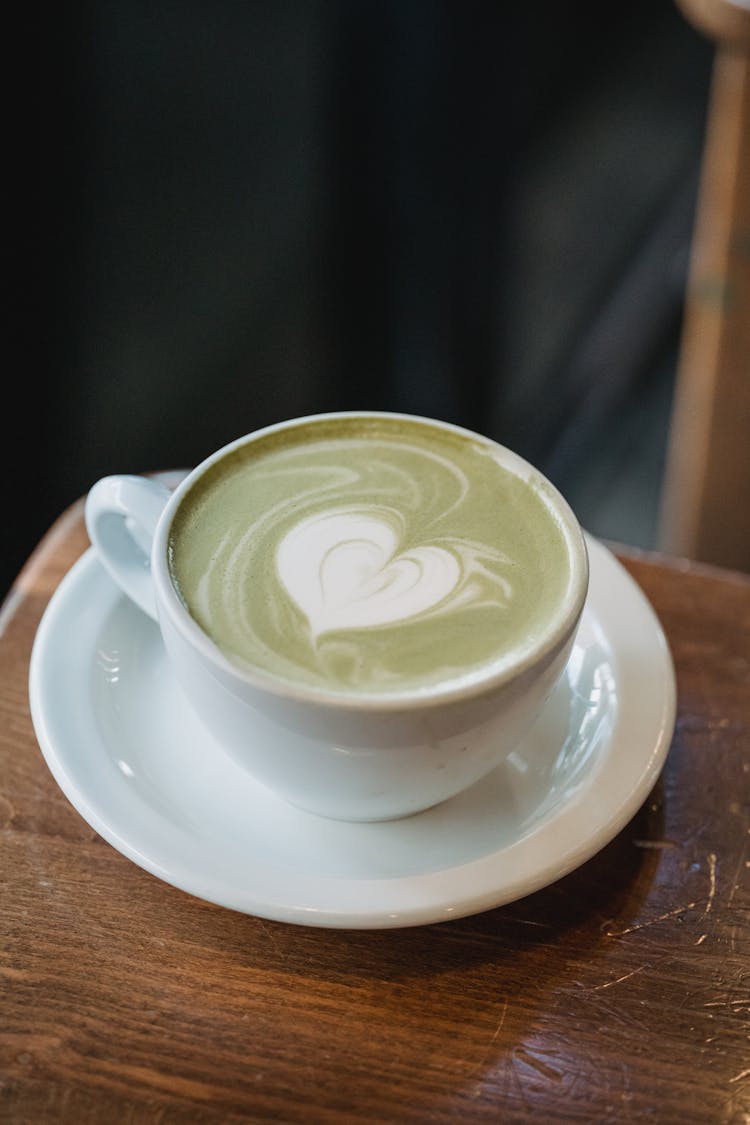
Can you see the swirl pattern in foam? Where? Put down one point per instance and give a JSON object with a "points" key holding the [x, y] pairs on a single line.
{"points": [[368, 554]]}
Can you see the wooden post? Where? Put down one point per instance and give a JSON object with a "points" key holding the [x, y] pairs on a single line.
{"points": [[706, 493]]}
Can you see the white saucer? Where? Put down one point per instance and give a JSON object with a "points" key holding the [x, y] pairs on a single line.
{"points": [[122, 743]]}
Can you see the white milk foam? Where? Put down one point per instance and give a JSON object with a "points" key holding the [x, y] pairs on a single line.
{"points": [[344, 571]]}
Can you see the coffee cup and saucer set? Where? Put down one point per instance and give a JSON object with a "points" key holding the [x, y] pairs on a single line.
{"points": [[356, 670]]}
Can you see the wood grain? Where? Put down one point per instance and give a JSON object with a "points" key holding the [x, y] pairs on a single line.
{"points": [[621, 993]]}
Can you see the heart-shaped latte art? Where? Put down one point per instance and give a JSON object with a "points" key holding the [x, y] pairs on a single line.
{"points": [[344, 571]]}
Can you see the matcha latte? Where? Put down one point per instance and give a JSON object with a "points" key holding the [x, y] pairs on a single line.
{"points": [[369, 554]]}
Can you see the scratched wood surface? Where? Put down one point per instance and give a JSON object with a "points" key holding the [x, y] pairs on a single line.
{"points": [[621, 993]]}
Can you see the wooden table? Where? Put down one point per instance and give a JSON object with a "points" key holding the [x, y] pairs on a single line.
{"points": [[621, 993]]}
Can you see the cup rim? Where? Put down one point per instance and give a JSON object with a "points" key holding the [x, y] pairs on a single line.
{"points": [[481, 683]]}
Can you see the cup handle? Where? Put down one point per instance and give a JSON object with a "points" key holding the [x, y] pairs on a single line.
{"points": [[121, 517]]}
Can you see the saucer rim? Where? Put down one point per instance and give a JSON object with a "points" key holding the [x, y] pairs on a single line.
{"points": [[483, 884]]}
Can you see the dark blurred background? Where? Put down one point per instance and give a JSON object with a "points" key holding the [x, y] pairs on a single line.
{"points": [[254, 211]]}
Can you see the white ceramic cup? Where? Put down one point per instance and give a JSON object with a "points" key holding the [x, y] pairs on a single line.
{"points": [[368, 758]]}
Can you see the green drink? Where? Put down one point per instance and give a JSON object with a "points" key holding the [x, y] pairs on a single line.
{"points": [[370, 554]]}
